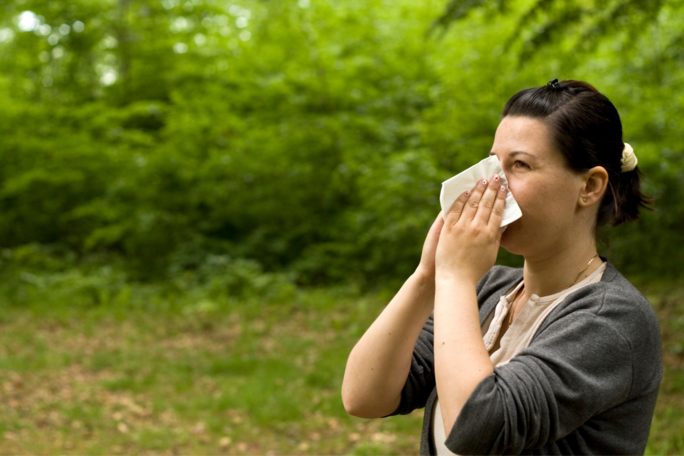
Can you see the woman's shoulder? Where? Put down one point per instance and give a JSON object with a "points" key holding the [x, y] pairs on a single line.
{"points": [[616, 305], [626, 307], [613, 310], [615, 296]]}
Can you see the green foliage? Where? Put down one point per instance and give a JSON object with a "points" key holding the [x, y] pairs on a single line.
{"points": [[587, 23], [171, 171], [34, 273], [305, 137]]}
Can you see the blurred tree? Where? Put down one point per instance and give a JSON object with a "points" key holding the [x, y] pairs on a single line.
{"points": [[547, 21], [308, 136]]}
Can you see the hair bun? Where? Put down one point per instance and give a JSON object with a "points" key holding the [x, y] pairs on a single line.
{"points": [[629, 160], [554, 85]]}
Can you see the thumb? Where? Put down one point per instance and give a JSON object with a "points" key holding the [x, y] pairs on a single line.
{"points": [[437, 225]]}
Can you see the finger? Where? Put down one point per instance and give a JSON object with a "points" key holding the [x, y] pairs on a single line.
{"points": [[431, 241], [437, 225], [498, 210], [456, 209], [473, 203], [488, 199]]}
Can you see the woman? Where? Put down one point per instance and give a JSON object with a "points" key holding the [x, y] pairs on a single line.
{"points": [[562, 356]]}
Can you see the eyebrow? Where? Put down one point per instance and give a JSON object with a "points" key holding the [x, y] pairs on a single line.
{"points": [[517, 152]]}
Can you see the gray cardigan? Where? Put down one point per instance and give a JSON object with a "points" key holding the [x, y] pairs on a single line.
{"points": [[586, 384]]}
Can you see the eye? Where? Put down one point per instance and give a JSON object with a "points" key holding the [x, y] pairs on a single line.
{"points": [[520, 164]]}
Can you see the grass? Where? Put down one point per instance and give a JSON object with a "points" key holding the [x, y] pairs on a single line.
{"points": [[668, 422], [207, 375], [247, 378]]}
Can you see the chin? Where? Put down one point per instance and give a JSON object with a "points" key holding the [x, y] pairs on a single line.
{"points": [[510, 239], [510, 249]]}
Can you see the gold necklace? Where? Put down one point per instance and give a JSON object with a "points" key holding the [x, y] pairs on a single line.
{"points": [[580, 273], [515, 301]]}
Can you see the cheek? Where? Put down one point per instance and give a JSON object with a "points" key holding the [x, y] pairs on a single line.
{"points": [[537, 199], [544, 199]]}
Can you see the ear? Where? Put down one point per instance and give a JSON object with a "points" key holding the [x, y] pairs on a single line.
{"points": [[595, 182]]}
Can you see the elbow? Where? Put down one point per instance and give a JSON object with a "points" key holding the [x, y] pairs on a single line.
{"points": [[352, 405], [361, 407], [360, 411], [353, 409]]}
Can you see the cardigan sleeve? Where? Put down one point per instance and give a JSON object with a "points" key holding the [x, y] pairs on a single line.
{"points": [[576, 367], [421, 378]]}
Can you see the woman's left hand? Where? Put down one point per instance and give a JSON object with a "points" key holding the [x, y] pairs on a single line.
{"points": [[469, 240]]}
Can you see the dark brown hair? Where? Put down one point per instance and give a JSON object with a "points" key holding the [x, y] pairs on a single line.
{"points": [[586, 129]]}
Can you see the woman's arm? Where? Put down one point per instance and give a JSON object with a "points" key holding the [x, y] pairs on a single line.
{"points": [[379, 364], [467, 249], [561, 394]]}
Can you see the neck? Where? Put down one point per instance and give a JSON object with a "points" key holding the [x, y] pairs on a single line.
{"points": [[548, 275]]}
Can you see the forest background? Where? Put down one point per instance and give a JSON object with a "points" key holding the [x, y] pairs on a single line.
{"points": [[204, 203]]}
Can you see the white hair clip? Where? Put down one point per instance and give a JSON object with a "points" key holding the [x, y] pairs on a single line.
{"points": [[629, 160]]}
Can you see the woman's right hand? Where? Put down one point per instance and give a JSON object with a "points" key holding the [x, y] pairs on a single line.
{"points": [[426, 268]]}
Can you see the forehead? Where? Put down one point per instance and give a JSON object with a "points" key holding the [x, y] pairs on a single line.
{"points": [[523, 134]]}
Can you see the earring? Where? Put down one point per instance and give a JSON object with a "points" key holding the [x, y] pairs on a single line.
{"points": [[584, 199]]}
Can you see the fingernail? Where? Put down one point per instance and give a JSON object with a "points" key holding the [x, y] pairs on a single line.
{"points": [[496, 177], [484, 181], [466, 194], [502, 188]]}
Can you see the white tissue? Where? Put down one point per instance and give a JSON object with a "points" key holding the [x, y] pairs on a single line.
{"points": [[466, 181]]}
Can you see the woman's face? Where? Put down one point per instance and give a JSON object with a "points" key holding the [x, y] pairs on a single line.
{"points": [[546, 190]]}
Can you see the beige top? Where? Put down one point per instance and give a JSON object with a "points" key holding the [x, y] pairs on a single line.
{"points": [[517, 338]]}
